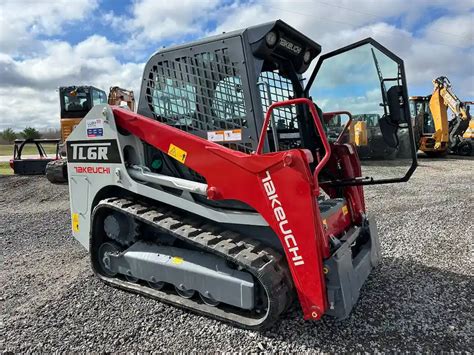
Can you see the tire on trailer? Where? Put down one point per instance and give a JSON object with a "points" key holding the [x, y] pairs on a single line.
{"points": [[56, 171]]}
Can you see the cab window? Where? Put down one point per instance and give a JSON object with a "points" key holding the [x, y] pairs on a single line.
{"points": [[98, 97]]}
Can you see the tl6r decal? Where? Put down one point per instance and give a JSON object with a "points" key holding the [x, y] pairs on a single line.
{"points": [[93, 151], [280, 216]]}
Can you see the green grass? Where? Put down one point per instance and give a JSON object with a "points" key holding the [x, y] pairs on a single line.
{"points": [[5, 169], [29, 149]]}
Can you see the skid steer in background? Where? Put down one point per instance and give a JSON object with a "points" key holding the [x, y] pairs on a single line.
{"points": [[438, 136], [222, 195], [76, 102]]}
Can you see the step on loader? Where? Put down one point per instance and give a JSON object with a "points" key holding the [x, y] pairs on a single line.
{"points": [[223, 195]]}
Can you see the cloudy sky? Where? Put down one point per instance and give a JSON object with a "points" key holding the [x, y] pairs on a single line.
{"points": [[46, 44]]}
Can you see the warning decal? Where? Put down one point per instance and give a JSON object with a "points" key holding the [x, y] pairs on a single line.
{"points": [[345, 210], [225, 136], [75, 222], [177, 260], [233, 135], [215, 136], [177, 153]]}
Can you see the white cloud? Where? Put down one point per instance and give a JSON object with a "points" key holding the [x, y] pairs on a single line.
{"points": [[28, 91], [21, 21], [455, 31], [33, 62], [444, 47], [158, 20]]}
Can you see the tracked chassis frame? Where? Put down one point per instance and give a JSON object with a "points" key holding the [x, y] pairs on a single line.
{"points": [[266, 266]]}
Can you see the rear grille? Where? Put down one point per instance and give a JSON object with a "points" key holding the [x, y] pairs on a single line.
{"points": [[199, 93]]}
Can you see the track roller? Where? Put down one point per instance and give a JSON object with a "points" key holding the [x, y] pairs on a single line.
{"points": [[156, 285], [183, 292], [209, 300]]}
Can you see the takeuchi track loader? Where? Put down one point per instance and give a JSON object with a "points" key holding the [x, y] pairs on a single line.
{"points": [[222, 194]]}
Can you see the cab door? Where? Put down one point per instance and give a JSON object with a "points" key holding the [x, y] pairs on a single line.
{"points": [[368, 80]]}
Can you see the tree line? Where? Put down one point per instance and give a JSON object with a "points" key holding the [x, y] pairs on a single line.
{"points": [[8, 135]]}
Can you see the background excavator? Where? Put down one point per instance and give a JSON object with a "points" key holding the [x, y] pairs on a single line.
{"points": [[76, 102], [436, 135], [223, 195]]}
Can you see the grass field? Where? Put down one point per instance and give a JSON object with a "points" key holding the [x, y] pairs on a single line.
{"points": [[5, 169], [29, 149]]}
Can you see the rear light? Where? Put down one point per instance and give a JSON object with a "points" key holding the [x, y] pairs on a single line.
{"points": [[271, 39], [307, 57], [11, 164]]}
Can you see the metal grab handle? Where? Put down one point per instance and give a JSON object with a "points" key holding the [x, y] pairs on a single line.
{"points": [[331, 115], [317, 122]]}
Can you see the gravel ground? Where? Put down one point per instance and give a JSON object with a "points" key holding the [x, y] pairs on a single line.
{"points": [[419, 298]]}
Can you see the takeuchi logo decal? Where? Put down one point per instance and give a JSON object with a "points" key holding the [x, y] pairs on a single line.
{"points": [[283, 223]]}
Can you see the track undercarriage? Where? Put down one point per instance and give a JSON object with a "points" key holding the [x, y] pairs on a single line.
{"points": [[161, 230]]}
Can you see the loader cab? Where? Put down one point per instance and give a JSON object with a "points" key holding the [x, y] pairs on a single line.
{"points": [[221, 87], [421, 114], [75, 102]]}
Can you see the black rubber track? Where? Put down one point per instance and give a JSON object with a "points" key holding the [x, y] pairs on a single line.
{"points": [[56, 171], [267, 266]]}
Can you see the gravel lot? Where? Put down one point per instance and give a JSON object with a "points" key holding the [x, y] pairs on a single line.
{"points": [[419, 298]]}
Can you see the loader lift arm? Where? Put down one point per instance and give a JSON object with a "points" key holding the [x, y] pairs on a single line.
{"points": [[256, 174]]}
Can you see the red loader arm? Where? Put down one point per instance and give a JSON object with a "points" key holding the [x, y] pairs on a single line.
{"points": [[280, 186]]}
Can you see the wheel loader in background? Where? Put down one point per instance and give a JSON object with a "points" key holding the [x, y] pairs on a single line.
{"points": [[223, 195], [436, 135], [76, 102]]}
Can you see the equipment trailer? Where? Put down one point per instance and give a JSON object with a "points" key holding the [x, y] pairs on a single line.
{"points": [[205, 201]]}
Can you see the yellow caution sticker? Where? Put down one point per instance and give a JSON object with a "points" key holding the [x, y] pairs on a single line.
{"points": [[75, 222], [177, 260], [345, 210], [177, 153]]}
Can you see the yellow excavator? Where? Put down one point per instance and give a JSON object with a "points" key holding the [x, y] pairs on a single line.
{"points": [[435, 134], [469, 134]]}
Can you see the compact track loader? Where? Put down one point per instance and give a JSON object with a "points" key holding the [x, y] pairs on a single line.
{"points": [[222, 195]]}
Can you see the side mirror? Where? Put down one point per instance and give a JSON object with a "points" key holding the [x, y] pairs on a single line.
{"points": [[390, 122], [395, 105]]}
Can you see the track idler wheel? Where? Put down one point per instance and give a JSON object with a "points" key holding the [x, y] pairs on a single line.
{"points": [[104, 260]]}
